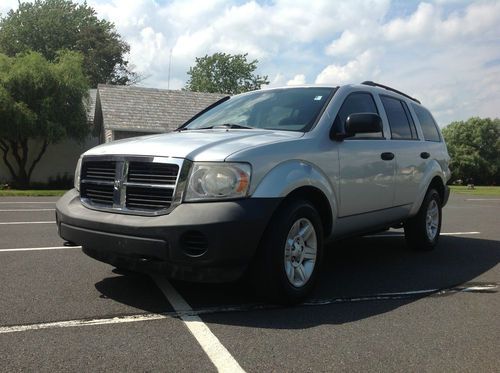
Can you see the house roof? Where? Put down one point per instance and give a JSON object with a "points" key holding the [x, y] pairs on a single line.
{"points": [[130, 108]]}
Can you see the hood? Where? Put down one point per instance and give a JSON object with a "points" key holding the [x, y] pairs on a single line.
{"points": [[196, 145]]}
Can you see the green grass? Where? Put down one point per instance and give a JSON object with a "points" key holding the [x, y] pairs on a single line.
{"points": [[477, 191], [31, 193]]}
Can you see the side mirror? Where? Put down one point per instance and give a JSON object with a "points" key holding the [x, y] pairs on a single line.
{"points": [[360, 123]]}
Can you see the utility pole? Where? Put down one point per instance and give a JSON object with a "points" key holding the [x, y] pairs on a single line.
{"points": [[169, 68]]}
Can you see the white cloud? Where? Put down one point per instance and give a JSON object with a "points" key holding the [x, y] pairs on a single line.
{"points": [[193, 28], [445, 52], [6, 5], [297, 80], [361, 68], [443, 58]]}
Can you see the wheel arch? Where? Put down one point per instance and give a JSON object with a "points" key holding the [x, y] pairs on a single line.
{"points": [[437, 183], [317, 198], [301, 179], [436, 180]]}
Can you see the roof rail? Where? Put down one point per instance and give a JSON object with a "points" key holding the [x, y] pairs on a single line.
{"points": [[373, 84]]}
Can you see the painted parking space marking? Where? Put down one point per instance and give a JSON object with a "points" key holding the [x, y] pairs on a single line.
{"points": [[400, 234], [39, 248], [217, 353], [18, 202], [483, 199], [27, 222], [459, 233], [25, 210]]}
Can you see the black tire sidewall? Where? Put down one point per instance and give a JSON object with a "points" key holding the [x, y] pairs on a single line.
{"points": [[273, 245], [416, 228]]}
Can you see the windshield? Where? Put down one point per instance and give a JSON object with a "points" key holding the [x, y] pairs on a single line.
{"points": [[291, 109]]}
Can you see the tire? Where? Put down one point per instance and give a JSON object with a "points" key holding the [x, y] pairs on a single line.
{"points": [[422, 231], [285, 273], [124, 271]]}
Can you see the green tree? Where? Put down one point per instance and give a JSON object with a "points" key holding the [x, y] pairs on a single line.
{"points": [[41, 102], [47, 26], [224, 73], [474, 148]]}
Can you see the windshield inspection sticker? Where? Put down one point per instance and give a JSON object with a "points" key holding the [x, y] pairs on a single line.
{"points": [[317, 98]]}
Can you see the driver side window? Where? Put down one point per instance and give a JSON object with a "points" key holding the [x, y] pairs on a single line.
{"points": [[358, 102]]}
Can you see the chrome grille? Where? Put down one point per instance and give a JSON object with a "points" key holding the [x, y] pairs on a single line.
{"points": [[99, 171], [98, 194], [99, 179], [148, 198], [152, 173], [133, 185]]}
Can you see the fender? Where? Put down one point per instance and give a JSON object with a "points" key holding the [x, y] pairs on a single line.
{"points": [[432, 170], [290, 175]]}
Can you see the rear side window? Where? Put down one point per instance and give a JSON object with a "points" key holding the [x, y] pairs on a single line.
{"points": [[358, 102], [400, 121], [429, 127]]}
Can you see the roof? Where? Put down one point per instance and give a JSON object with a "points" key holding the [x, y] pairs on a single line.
{"points": [[130, 108]]}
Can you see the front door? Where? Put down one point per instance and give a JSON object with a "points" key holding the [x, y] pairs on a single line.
{"points": [[366, 168]]}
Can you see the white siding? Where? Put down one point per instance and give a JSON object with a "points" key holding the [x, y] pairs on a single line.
{"points": [[59, 160]]}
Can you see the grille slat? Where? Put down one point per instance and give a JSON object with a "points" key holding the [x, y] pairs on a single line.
{"points": [[99, 171], [194, 243], [153, 173], [148, 198], [138, 199], [96, 193]]}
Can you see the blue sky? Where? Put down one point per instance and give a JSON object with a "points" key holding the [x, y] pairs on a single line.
{"points": [[444, 52]]}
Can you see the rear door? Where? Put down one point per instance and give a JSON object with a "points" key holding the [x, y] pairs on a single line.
{"points": [[366, 180], [433, 141], [408, 150]]}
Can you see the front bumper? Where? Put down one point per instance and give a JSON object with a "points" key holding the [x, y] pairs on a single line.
{"points": [[230, 230]]}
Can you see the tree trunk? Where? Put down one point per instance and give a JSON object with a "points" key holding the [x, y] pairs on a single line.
{"points": [[20, 152]]}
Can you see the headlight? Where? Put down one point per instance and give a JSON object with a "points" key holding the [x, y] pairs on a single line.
{"points": [[218, 181], [77, 174]]}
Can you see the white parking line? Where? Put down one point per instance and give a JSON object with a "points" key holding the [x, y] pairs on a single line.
{"points": [[39, 248], [399, 234], [483, 199], [217, 353], [27, 222], [9, 203], [459, 233], [31, 210]]}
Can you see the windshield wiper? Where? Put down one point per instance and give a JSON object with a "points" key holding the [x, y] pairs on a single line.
{"points": [[225, 125]]}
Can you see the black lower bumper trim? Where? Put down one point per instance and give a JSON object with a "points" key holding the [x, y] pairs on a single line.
{"points": [[138, 247], [231, 233]]}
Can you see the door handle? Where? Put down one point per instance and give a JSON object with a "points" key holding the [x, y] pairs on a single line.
{"points": [[387, 156], [424, 155]]}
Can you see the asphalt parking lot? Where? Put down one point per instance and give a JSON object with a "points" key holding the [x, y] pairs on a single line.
{"points": [[378, 306]]}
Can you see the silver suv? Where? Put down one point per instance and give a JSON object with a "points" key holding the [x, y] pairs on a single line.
{"points": [[258, 183]]}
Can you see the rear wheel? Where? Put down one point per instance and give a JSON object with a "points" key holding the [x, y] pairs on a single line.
{"points": [[422, 231], [290, 253]]}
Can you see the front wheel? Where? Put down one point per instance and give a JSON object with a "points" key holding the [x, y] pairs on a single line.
{"points": [[422, 231], [290, 253]]}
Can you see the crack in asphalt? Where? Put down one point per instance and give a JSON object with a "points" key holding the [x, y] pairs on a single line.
{"points": [[470, 287]]}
